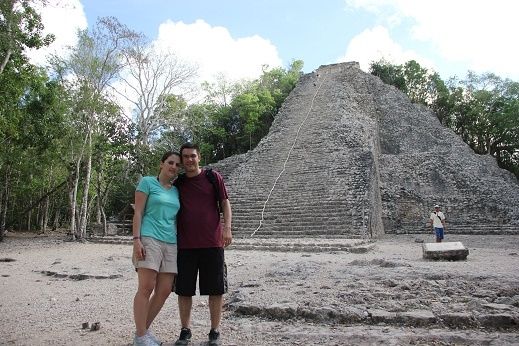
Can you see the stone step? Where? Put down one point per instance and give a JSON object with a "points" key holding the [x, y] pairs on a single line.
{"points": [[300, 212], [306, 244], [359, 315], [501, 231], [288, 219], [298, 228], [301, 233]]}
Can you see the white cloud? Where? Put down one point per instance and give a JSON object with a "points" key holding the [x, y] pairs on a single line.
{"points": [[479, 34], [375, 44], [63, 18], [215, 51]]}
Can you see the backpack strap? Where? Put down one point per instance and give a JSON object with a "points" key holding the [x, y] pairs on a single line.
{"points": [[211, 176], [179, 180]]}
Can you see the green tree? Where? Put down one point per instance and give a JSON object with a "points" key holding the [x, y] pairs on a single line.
{"points": [[92, 66], [491, 117], [153, 83], [20, 28], [389, 73], [31, 121], [419, 83], [236, 116]]}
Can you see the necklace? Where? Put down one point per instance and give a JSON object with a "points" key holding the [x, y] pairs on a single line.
{"points": [[168, 184]]}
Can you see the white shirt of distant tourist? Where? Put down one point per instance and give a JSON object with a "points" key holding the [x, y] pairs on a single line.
{"points": [[436, 221]]}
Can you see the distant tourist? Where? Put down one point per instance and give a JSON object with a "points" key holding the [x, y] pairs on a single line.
{"points": [[438, 223], [154, 245], [201, 241]]}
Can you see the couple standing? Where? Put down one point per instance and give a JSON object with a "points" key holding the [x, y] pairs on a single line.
{"points": [[180, 215]]}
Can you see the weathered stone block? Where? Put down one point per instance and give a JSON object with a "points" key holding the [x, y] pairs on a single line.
{"points": [[499, 321], [382, 316], [452, 251], [111, 229], [416, 318], [458, 320]]}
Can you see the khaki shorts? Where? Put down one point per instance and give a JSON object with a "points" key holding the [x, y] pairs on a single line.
{"points": [[160, 256]]}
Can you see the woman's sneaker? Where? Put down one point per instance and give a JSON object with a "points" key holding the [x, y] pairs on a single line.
{"points": [[153, 337], [184, 338], [144, 340], [214, 338]]}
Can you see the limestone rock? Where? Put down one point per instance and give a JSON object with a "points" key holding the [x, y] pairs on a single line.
{"points": [[452, 251]]}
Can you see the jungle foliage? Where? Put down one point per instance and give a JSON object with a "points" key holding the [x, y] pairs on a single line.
{"points": [[76, 138], [482, 109]]}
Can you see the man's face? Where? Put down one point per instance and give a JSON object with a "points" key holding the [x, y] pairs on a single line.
{"points": [[190, 160]]}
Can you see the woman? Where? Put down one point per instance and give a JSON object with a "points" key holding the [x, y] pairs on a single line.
{"points": [[154, 245]]}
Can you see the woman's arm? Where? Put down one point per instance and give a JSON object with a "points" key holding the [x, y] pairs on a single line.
{"points": [[140, 202]]}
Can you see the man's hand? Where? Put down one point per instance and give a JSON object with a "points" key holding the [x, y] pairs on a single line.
{"points": [[227, 236]]}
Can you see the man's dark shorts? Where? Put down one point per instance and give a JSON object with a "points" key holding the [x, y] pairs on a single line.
{"points": [[209, 264]]}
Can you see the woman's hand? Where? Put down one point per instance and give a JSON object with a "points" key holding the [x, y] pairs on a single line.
{"points": [[138, 250]]}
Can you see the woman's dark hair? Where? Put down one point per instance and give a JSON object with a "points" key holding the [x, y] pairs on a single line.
{"points": [[168, 154]]}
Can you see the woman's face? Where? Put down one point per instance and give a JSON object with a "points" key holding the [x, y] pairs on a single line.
{"points": [[170, 166]]}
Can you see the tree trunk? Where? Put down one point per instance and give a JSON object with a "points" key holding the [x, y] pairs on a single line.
{"points": [[98, 197], [84, 205], [1, 213], [5, 205], [104, 221], [29, 221], [45, 215], [37, 220], [72, 195], [56, 223]]}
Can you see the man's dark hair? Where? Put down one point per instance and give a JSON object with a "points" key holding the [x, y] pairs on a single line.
{"points": [[190, 145]]}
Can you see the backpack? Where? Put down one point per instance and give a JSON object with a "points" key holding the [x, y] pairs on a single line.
{"points": [[211, 176]]}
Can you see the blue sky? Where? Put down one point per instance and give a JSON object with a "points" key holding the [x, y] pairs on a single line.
{"points": [[237, 37]]}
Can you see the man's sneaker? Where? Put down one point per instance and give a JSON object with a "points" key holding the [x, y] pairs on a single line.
{"points": [[214, 337], [144, 340], [153, 337], [184, 338]]}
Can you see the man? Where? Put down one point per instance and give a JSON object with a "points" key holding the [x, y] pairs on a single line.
{"points": [[201, 239], [438, 223]]}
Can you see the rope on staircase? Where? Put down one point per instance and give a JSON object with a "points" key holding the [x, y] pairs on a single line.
{"points": [[288, 155]]}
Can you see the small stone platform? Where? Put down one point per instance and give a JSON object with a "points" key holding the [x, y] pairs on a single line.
{"points": [[451, 251]]}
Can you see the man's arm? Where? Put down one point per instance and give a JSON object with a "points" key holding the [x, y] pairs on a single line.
{"points": [[227, 219]]}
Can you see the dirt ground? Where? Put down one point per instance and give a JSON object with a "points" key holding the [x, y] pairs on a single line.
{"points": [[50, 287]]}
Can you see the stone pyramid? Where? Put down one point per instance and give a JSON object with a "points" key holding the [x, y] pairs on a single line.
{"points": [[351, 157]]}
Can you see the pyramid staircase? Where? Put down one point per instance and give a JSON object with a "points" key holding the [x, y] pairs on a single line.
{"points": [[351, 157], [315, 174]]}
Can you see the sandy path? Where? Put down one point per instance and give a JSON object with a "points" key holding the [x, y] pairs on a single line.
{"points": [[275, 298]]}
